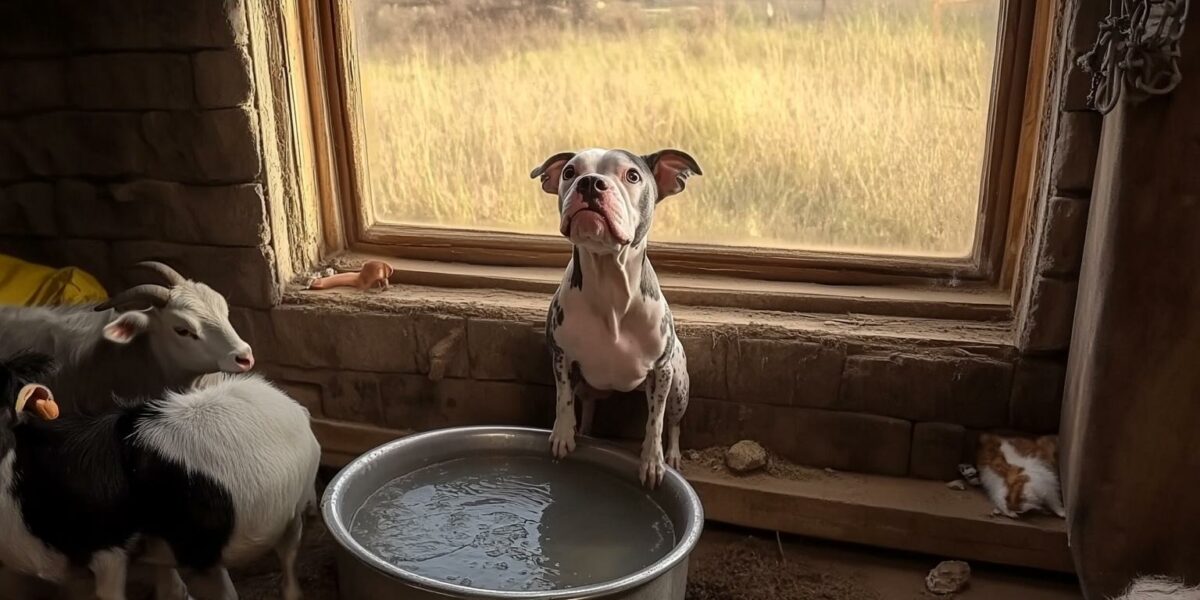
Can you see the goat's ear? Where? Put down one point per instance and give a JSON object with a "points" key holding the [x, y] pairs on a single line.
{"points": [[126, 327]]}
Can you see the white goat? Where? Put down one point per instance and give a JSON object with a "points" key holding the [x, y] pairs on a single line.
{"points": [[206, 478], [108, 350]]}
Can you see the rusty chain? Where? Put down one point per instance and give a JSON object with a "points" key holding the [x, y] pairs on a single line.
{"points": [[1138, 44]]}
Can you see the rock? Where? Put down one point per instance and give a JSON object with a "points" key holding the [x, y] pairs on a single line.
{"points": [[957, 484], [949, 577], [745, 456]]}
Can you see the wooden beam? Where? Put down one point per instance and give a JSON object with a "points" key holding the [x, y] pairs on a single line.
{"points": [[1132, 399], [889, 512]]}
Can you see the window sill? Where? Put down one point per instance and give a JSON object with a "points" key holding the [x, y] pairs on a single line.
{"points": [[720, 292], [498, 293]]}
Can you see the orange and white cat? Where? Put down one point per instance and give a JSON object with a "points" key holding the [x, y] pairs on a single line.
{"points": [[1019, 474]]}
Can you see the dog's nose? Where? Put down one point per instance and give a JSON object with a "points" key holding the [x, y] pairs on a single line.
{"points": [[590, 184]]}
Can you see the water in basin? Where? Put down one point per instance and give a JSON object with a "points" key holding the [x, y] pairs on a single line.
{"points": [[514, 523]]}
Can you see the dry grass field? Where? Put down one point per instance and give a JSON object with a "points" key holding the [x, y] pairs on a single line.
{"points": [[862, 129]]}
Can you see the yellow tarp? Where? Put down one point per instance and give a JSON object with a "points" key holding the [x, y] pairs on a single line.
{"points": [[26, 284]]}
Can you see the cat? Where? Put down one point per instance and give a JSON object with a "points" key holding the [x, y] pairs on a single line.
{"points": [[1020, 474]]}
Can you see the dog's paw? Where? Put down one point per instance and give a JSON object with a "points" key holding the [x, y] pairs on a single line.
{"points": [[562, 441], [675, 459], [654, 468]]}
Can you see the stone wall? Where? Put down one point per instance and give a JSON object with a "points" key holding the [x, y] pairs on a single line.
{"points": [[1055, 246], [897, 405], [129, 129]]}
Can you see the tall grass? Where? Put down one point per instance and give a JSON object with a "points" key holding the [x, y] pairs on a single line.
{"points": [[864, 130]]}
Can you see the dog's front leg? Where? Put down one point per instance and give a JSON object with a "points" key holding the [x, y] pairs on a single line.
{"points": [[658, 387], [562, 437]]}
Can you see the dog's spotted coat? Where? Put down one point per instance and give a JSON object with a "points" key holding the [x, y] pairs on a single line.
{"points": [[609, 327]]}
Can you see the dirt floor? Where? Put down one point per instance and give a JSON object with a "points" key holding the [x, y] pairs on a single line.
{"points": [[778, 467], [733, 564]]}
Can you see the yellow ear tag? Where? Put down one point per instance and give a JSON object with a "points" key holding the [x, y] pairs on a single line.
{"points": [[44, 405]]}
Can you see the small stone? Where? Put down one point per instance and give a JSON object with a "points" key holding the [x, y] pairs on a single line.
{"points": [[692, 455], [957, 485], [745, 456], [949, 577]]}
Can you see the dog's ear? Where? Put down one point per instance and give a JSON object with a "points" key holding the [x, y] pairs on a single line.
{"points": [[671, 169], [550, 170]]}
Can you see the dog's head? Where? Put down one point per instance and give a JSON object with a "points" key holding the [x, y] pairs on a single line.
{"points": [[606, 198]]}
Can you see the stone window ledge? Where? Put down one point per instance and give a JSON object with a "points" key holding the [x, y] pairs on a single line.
{"points": [[854, 332], [951, 302]]}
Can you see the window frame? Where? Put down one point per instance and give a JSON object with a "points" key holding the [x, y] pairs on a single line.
{"points": [[1010, 169]]}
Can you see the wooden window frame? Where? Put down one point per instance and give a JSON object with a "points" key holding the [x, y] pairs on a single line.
{"points": [[1011, 163]]}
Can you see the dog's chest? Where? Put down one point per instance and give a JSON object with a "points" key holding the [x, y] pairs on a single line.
{"points": [[613, 353]]}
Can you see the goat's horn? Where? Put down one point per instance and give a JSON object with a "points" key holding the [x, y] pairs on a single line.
{"points": [[156, 295], [171, 275]]}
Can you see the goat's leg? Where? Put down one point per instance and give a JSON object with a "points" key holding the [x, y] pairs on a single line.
{"points": [[288, 549], [158, 556], [211, 584], [168, 585], [109, 567]]}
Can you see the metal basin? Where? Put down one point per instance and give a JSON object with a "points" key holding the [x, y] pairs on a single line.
{"points": [[364, 576]]}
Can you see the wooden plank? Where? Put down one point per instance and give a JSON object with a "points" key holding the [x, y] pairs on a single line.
{"points": [[890, 512], [1027, 179], [1131, 406], [845, 266], [1005, 134]]}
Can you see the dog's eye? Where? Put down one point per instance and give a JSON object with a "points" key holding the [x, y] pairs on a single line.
{"points": [[633, 176], [568, 173]]}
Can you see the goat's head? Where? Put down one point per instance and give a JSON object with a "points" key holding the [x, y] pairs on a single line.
{"points": [[188, 322], [21, 393]]}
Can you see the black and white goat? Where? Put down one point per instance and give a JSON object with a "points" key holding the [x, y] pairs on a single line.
{"points": [[195, 480], [110, 350]]}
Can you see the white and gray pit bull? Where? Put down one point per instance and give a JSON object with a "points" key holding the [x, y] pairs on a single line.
{"points": [[609, 327]]}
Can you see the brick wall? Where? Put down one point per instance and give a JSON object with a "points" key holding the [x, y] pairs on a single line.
{"points": [[1047, 300], [129, 130]]}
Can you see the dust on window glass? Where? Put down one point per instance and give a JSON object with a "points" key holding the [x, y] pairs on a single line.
{"points": [[845, 124]]}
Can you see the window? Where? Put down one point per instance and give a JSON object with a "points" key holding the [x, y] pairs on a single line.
{"points": [[863, 141]]}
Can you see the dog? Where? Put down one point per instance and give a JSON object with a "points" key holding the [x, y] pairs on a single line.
{"points": [[609, 327]]}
